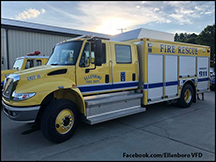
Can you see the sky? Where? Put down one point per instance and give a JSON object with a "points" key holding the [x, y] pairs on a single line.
{"points": [[109, 17]]}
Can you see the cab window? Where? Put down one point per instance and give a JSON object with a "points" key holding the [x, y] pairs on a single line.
{"points": [[88, 55], [29, 64], [18, 64], [85, 58], [65, 53], [38, 62], [123, 54]]}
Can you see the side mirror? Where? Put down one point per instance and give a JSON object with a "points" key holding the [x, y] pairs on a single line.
{"points": [[98, 52]]}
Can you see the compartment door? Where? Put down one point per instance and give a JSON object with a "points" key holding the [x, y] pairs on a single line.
{"points": [[155, 77], [187, 65], [202, 73], [171, 76]]}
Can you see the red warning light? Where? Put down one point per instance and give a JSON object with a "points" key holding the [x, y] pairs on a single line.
{"points": [[33, 53]]}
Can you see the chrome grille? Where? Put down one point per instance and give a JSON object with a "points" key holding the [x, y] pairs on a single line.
{"points": [[10, 85], [8, 88]]}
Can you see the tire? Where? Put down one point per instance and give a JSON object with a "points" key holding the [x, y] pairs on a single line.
{"points": [[186, 97], [59, 120]]}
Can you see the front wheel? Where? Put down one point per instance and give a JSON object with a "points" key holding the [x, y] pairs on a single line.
{"points": [[59, 120], [186, 97]]}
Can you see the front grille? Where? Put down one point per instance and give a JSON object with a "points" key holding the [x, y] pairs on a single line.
{"points": [[8, 88], [10, 84]]}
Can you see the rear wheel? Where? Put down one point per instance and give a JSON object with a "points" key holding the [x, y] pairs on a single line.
{"points": [[186, 97], [59, 120]]}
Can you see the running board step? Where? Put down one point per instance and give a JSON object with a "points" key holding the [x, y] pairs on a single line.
{"points": [[114, 114], [111, 98]]}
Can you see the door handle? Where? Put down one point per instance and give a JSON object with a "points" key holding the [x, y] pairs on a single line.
{"points": [[112, 70], [106, 78]]}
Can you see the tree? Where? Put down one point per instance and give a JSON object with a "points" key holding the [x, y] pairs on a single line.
{"points": [[181, 37], [207, 37], [176, 37], [191, 38]]}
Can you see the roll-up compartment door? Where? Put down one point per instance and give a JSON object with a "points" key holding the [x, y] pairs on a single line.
{"points": [[171, 75], [155, 77], [187, 66]]}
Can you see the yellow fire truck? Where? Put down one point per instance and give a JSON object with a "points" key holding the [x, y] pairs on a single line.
{"points": [[32, 59], [92, 80]]}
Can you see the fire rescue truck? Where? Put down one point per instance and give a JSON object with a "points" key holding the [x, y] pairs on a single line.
{"points": [[32, 59], [94, 80]]}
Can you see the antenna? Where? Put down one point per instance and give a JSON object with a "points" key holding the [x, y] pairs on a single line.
{"points": [[122, 29]]}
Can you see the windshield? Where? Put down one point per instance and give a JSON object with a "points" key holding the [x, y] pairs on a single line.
{"points": [[65, 53], [18, 64]]}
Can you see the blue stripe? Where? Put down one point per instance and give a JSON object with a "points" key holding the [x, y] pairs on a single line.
{"points": [[203, 79], [103, 87], [2, 83], [156, 85], [171, 83], [145, 86]]}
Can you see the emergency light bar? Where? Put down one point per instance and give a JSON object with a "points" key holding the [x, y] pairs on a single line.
{"points": [[35, 53]]}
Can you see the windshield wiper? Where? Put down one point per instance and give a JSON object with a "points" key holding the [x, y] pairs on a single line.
{"points": [[54, 64]]}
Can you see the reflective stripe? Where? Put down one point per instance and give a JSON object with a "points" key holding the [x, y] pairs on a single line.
{"points": [[203, 79], [107, 87], [156, 85], [171, 83]]}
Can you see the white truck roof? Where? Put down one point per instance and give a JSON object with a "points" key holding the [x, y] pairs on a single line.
{"points": [[32, 57], [143, 33]]}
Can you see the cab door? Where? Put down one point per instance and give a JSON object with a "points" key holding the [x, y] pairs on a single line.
{"points": [[124, 66], [91, 79]]}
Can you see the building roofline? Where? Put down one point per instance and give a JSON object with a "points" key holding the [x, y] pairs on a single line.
{"points": [[48, 29]]}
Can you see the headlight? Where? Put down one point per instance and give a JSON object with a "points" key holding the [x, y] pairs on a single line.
{"points": [[21, 96]]}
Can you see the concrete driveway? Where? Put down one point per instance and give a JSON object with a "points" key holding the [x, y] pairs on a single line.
{"points": [[162, 133]]}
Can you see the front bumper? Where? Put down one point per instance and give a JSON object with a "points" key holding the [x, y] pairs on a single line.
{"points": [[21, 114]]}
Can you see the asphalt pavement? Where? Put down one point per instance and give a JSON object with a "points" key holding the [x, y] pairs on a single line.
{"points": [[162, 133]]}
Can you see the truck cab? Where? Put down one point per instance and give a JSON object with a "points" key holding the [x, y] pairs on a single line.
{"points": [[76, 68], [116, 71]]}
